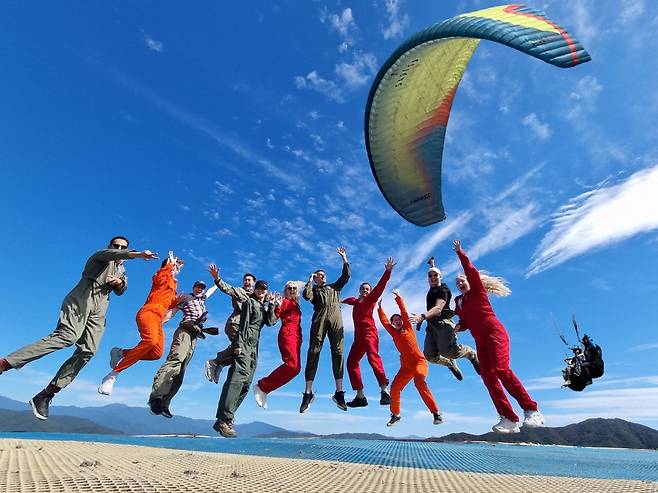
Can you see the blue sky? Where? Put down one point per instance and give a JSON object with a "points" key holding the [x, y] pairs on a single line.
{"points": [[233, 132]]}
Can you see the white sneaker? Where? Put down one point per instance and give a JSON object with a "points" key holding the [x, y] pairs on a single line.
{"points": [[260, 396], [107, 385], [506, 426], [115, 356], [533, 419], [209, 370]]}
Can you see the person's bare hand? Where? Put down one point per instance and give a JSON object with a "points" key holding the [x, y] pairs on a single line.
{"points": [[457, 245], [148, 255], [237, 351], [214, 271], [390, 263], [114, 281], [414, 319], [341, 251]]}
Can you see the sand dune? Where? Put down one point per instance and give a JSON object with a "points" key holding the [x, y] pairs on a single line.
{"points": [[54, 466]]}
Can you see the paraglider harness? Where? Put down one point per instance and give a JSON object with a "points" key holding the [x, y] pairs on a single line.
{"points": [[195, 327], [586, 363]]}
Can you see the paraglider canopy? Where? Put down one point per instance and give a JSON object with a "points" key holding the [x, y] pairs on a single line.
{"points": [[410, 100]]}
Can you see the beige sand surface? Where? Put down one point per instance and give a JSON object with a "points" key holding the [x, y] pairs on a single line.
{"points": [[49, 466]]}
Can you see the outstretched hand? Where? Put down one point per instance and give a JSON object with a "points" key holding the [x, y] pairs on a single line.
{"points": [[148, 255], [457, 245], [390, 263], [343, 254], [214, 271], [414, 319], [396, 293]]}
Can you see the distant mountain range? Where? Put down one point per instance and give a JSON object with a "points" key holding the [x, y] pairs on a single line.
{"points": [[122, 419]]}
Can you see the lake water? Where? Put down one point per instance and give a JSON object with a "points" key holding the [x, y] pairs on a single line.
{"points": [[487, 458]]}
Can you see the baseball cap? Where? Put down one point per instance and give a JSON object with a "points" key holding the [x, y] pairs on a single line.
{"points": [[199, 283], [261, 284]]}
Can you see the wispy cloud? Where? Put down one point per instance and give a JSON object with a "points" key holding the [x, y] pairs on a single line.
{"points": [[598, 218], [316, 83], [631, 10], [540, 129], [153, 44], [343, 24], [644, 347], [357, 73], [397, 22]]}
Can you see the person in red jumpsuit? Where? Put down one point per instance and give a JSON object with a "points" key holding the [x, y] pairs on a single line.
{"points": [[366, 339], [413, 364], [290, 344], [492, 344], [150, 318]]}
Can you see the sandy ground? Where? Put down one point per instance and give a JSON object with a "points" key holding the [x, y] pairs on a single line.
{"points": [[49, 466]]}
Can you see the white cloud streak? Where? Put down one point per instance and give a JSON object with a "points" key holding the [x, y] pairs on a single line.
{"points": [[541, 130], [153, 44], [599, 218], [397, 22]]}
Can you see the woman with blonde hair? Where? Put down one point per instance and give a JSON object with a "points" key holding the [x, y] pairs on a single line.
{"points": [[492, 344], [290, 343]]}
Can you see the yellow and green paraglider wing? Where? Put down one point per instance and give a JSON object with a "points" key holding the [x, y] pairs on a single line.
{"points": [[410, 100]]}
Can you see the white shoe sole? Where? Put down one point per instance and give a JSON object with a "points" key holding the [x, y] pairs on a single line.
{"points": [[309, 404], [36, 413]]}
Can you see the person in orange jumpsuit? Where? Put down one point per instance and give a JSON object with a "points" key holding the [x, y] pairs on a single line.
{"points": [[413, 364], [150, 318]]}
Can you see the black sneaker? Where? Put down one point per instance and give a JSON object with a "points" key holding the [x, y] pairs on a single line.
{"points": [[40, 403], [166, 413], [454, 369], [385, 399], [394, 419], [356, 402], [475, 362], [339, 399], [438, 419], [156, 406], [307, 399]]}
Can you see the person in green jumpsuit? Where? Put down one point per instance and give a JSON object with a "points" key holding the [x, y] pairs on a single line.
{"points": [[327, 322], [257, 311], [213, 367], [81, 319]]}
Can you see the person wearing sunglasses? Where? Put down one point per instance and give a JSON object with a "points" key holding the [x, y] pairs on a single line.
{"points": [[492, 342], [150, 319], [366, 339], [81, 319], [290, 343], [327, 321], [441, 346]]}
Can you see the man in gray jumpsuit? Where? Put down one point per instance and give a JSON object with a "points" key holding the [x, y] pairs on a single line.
{"points": [[213, 367], [254, 315], [327, 321], [81, 319]]}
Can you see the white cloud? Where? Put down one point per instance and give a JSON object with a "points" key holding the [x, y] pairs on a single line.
{"points": [[316, 83], [357, 73], [599, 218], [541, 130], [153, 44], [631, 10], [343, 24], [396, 22], [644, 347]]}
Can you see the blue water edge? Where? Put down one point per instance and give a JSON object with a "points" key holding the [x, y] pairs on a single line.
{"points": [[579, 462]]}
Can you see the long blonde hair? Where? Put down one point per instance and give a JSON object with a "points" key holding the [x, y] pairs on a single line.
{"points": [[298, 284], [493, 284]]}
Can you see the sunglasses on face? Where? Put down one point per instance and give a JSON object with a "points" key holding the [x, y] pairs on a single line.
{"points": [[291, 288], [118, 246], [432, 275]]}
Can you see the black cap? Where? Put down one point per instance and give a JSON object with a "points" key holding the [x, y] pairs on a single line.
{"points": [[261, 284]]}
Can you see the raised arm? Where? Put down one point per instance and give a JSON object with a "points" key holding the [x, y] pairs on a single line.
{"points": [[378, 290], [402, 306], [472, 274], [109, 254], [383, 318], [344, 276], [307, 292]]}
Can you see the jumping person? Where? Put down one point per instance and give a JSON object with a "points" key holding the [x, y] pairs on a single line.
{"points": [[441, 344], [150, 318], [327, 322], [366, 339], [492, 342], [169, 378], [81, 319], [213, 367], [290, 344], [413, 364], [254, 315]]}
